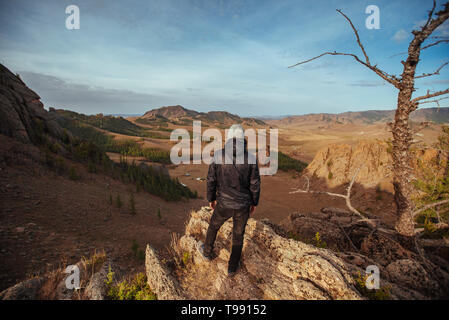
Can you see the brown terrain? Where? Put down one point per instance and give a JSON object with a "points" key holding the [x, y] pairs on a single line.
{"points": [[50, 219]]}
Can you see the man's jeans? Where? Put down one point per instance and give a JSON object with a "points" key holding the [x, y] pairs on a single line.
{"points": [[219, 217]]}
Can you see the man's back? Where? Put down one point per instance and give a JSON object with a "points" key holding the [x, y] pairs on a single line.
{"points": [[235, 185]]}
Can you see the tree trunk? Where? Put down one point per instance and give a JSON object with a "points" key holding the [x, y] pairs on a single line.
{"points": [[402, 170], [402, 139]]}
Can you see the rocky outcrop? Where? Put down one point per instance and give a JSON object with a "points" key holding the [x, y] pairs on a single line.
{"points": [[159, 278], [52, 286], [337, 164], [26, 290], [274, 266], [22, 114]]}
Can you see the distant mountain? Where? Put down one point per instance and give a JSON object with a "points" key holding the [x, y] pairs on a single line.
{"points": [[436, 115], [182, 116]]}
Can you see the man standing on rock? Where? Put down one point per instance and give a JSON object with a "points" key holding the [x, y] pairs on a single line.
{"points": [[233, 189]]}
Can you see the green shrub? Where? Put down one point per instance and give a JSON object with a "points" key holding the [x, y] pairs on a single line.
{"points": [[73, 175], [318, 242], [135, 289], [186, 258], [159, 213], [383, 293], [118, 201], [132, 204], [286, 163]]}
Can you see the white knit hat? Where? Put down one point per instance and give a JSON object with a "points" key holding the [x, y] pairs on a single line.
{"points": [[235, 131]]}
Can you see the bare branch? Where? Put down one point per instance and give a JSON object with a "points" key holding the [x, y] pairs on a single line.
{"points": [[436, 101], [390, 79], [435, 43], [430, 15], [434, 73], [356, 35], [429, 95], [431, 205]]}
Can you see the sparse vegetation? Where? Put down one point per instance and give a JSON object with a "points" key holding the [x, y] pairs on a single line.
{"points": [[118, 201], [432, 185], [132, 204], [138, 253], [155, 182], [136, 288], [159, 216], [186, 258], [318, 242], [73, 175], [383, 293], [286, 163]]}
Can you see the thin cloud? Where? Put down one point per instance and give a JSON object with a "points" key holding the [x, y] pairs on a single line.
{"points": [[400, 36], [59, 93]]}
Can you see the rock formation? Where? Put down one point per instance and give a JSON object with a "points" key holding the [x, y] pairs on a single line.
{"points": [[22, 114], [277, 267], [337, 164]]}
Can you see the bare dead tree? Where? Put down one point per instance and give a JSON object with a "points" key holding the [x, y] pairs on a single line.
{"points": [[402, 135]]}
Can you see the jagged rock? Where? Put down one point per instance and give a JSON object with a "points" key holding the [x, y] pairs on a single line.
{"points": [[305, 229], [97, 287], [26, 290], [22, 114], [273, 267], [411, 274], [159, 278]]}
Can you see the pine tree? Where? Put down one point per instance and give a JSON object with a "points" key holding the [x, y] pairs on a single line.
{"points": [[132, 204]]}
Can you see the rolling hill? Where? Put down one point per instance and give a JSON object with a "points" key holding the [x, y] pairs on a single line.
{"points": [[436, 115], [178, 115]]}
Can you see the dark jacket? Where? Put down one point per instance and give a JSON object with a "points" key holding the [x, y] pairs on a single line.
{"points": [[234, 186]]}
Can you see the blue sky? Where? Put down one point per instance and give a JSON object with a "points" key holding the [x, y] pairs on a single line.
{"points": [[132, 56]]}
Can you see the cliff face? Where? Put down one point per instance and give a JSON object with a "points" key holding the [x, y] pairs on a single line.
{"points": [[337, 164], [22, 114]]}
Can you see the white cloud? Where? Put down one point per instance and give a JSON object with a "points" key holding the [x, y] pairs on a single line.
{"points": [[400, 35]]}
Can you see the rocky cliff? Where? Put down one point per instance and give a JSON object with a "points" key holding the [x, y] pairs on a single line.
{"points": [[337, 163], [22, 114]]}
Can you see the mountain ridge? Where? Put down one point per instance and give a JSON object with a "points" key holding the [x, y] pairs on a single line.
{"points": [[436, 115]]}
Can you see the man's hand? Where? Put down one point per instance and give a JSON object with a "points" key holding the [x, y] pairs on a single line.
{"points": [[252, 209], [213, 204]]}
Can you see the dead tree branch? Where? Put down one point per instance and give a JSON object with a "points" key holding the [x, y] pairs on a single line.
{"points": [[436, 101], [435, 43], [429, 95], [389, 78], [433, 73], [428, 206], [346, 196]]}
